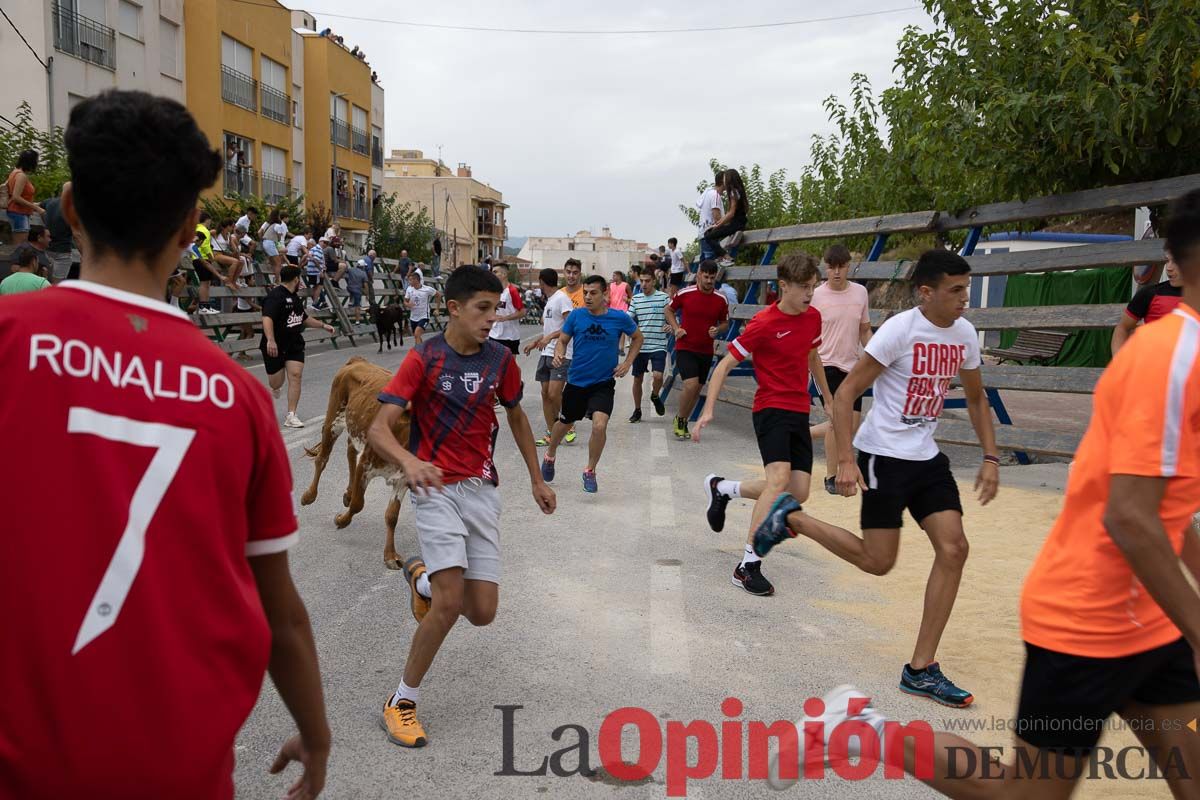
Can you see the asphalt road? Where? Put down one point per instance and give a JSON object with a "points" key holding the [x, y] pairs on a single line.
{"points": [[619, 599]]}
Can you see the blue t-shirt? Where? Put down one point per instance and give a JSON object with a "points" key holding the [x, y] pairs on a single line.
{"points": [[596, 338]]}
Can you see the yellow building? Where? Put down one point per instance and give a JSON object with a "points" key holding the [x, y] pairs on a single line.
{"points": [[238, 58]]}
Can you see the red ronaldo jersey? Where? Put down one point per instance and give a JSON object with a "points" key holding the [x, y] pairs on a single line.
{"points": [[780, 344], [696, 312], [450, 397], [143, 467]]}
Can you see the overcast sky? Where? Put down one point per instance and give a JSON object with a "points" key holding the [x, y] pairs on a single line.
{"points": [[586, 131]]}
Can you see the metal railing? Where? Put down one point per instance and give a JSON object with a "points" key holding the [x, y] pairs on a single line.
{"points": [[360, 141], [84, 38], [376, 153], [339, 132], [275, 187], [238, 88], [240, 181], [362, 208], [341, 204], [275, 104]]}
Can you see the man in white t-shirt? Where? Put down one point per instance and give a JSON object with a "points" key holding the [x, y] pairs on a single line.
{"points": [[507, 328], [911, 361], [417, 298], [552, 378], [678, 268], [247, 222], [711, 210], [845, 330]]}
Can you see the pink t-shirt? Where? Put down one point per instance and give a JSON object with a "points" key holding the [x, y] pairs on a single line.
{"points": [[618, 296], [841, 315]]}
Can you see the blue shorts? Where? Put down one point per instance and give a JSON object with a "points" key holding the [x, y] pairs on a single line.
{"points": [[19, 222], [355, 298], [270, 247], [418, 323], [655, 362]]}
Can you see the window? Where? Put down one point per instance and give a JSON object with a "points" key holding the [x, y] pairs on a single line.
{"points": [[129, 19], [297, 113], [92, 9], [273, 75], [236, 56], [274, 161], [360, 118], [297, 177], [168, 48]]}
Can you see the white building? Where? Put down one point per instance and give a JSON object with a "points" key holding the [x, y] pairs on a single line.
{"points": [[599, 255], [84, 47]]}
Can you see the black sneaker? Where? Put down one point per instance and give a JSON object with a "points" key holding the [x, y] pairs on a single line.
{"points": [[831, 484], [636, 416], [660, 407], [716, 503], [750, 578]]}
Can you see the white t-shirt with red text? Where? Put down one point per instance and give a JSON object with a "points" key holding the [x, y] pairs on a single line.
{"points": [[920, 359], [510, 303]]}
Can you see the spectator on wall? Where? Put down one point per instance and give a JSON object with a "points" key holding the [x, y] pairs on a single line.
{"points": [[20, 195]]}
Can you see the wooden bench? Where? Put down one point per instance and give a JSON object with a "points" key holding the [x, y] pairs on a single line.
{"points": [[1031, 345]]}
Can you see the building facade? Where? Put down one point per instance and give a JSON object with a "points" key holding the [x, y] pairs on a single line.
{"points": [[86, 46], [468, 214], [598, 255]]}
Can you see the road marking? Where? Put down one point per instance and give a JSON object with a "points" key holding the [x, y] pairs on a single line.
{"points": [[658, 443], [662, 506], [668, 625]]}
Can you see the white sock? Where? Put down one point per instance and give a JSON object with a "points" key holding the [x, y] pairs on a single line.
{"points": [[730, 488], [423, 587], [406, 692], [749, 556]]}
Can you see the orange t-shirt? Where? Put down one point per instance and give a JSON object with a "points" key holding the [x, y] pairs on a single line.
{"points": [[1082, 597], [26, 193], [576, 296]]}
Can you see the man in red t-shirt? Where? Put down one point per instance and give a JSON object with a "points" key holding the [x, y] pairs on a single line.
{"points": [[696, 315], [1149, 304], [449, 384], [779, 338], [148, 511]]}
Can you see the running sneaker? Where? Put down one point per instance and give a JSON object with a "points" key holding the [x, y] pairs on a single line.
{"points": [[292, 421], [774, 529], [636, 416], [589, 481], [814, 739], [414, 568], [750, 578], [725, 262], [680, 430], [548, 469], [831, 484], [544, 441], [660, 407], [716, 503], [570, 437], [932, 683], [400, 721]]}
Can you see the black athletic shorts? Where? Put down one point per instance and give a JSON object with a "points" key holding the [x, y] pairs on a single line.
{"points": [[649, 362], [783, 436], [292, 352], [293, 260], [1065, 699], [676, 278], [894, 484], [514, 345], [834, 377], [583, 401], [693, 365]]}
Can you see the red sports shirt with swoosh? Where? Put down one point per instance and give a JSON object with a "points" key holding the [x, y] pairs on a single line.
{"points": [[779, 344], [142, 468]]}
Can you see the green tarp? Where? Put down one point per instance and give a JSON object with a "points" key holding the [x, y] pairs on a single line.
{"points": [[1085, 348]]}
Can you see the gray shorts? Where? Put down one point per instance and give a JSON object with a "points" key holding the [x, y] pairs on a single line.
{"points": [[62, 263], [546, 371], [460, 527]]}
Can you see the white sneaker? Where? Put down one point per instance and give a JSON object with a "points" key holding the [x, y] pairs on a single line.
{"points": [[292, 421], [725, 262], [206, 310], [837, 711]]}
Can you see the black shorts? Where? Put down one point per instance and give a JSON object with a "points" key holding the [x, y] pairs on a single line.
{"points": [[693, 365], [583, 401], [894, 484], [676, 278], [652, 362], [312, 281], [834, 377], [514, 345], [293, 259], [1066, 699], [291, 352], [783, 436]]}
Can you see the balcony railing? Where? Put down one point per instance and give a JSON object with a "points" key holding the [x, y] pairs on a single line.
{"points": [[362, 208], [84, 38], [484, 228], [341, 205], [376, 154], [240, 181], [275, 188], [238, 88], [360, 141], [275, 105], [339, 132]]}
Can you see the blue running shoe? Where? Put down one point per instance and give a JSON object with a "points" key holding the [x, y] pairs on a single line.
{"points": [[932, 683], [774, 529], [589, 481], [547, 470]]}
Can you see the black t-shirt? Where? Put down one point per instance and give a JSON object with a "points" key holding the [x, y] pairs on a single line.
{"points": [[1154, 302], [286, 310], [404, 266], [331, 260], [61, 237]]}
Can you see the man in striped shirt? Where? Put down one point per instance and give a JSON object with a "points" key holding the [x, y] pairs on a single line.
{"points": [[647, 311]]}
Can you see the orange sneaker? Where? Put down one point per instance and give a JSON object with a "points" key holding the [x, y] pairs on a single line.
{"points": [[414, 568], [400, 722]]}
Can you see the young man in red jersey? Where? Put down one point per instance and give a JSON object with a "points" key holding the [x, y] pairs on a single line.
{"points": [[154, 598], [696, 315], [449, 383], [779, 338]]}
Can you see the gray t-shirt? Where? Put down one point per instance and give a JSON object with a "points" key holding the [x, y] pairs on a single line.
{"points": [[356, 276]]}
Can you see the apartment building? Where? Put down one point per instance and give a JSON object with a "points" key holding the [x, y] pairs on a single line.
{"points": [[599, 254]]}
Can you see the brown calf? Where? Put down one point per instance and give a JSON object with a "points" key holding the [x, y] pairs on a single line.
{"points": [[353, 403]]}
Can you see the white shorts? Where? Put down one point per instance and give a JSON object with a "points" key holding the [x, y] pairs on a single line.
{"points": [[270, 247], [460, 527]]}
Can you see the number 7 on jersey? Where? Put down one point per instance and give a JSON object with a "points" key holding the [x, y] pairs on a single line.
{"points": [[171, 444]]}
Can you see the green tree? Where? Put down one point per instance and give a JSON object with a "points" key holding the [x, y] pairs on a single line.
{"points": [[21, 135], [232, 206], [396, 227]]}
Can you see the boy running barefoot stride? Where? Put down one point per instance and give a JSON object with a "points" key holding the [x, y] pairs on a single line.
{"points": [[449, 383], [780, 338]]}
